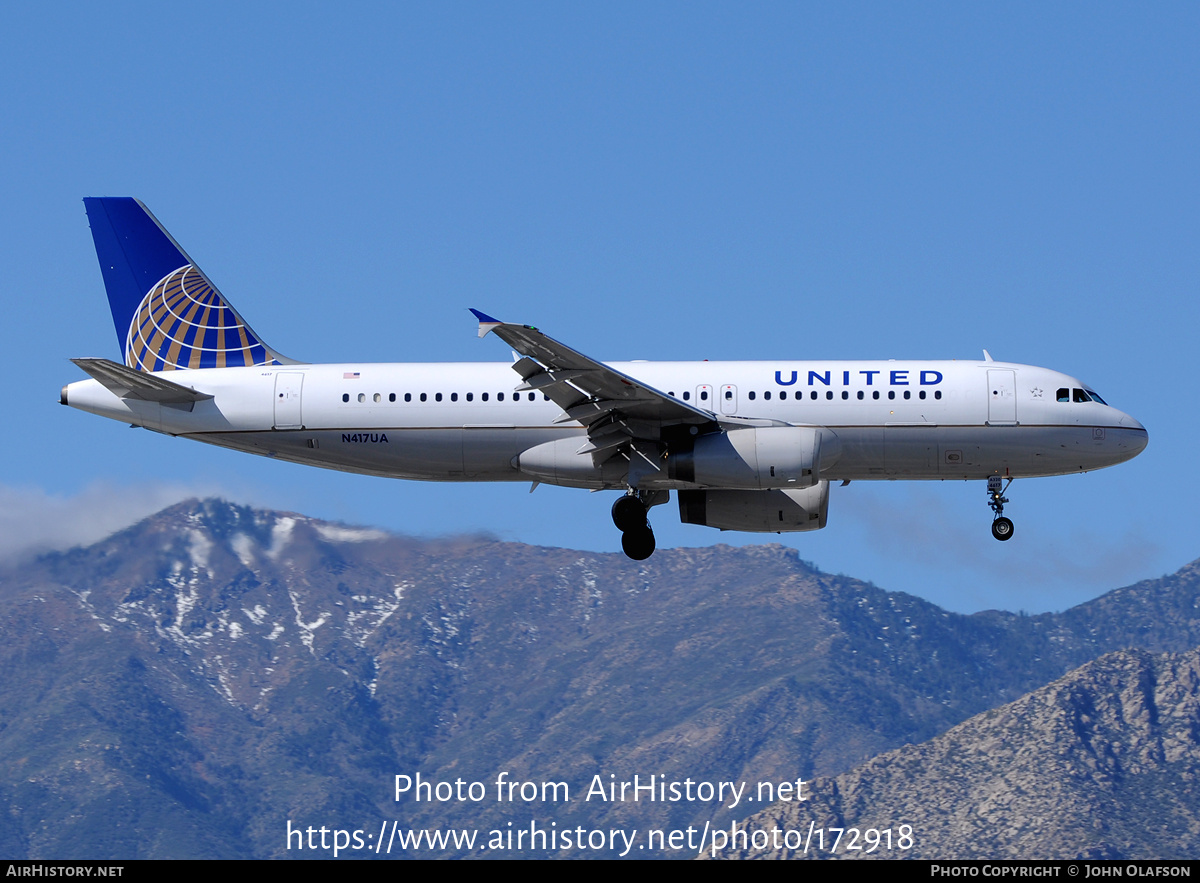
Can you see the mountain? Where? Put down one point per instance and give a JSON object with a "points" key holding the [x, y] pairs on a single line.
{"points": [[190, 685], [1103, 763]]}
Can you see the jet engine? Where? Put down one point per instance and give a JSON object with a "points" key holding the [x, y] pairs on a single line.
{"points": [[754, 457], [769, 511]]}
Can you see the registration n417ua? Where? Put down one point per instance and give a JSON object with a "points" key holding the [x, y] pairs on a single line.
{"points": [[749, 446]]}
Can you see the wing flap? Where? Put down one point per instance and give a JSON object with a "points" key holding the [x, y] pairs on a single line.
{"points": [[624, 417], [582, 386]]}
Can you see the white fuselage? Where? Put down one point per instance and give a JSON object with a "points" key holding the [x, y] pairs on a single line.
{"points": [[464, 422]]}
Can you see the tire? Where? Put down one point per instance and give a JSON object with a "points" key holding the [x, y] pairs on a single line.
{"points": [[628, 514], [1002, 529], [638, 544]]}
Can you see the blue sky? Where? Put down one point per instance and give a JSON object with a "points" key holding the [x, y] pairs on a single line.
{"points": [[664, 181]]}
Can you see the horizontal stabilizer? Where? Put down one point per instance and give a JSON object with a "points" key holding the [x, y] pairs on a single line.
{"points": [[128, 383]]}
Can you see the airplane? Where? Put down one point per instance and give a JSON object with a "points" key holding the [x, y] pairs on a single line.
{"points": [[745, 446]]}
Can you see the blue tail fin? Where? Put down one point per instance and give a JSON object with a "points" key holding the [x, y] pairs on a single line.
{"points": [[168, 315]]}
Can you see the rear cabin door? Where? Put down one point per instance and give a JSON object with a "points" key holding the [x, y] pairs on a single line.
{"points": [[288, 386]]}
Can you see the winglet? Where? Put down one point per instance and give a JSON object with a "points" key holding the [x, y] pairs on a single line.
{"points": [[486, 322], [987, 357]]}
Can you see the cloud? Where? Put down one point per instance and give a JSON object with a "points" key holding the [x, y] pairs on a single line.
{"points": [[33, 521]]}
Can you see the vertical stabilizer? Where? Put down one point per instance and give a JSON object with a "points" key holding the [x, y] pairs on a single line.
{"points": [[167, 313]]}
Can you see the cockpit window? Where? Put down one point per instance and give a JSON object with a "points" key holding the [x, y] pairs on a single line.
{"points": [[1096, 398], [1079, 396], [1064, 395]]}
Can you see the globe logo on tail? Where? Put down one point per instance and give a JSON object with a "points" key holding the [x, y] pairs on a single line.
{"points": [[183, 322]]}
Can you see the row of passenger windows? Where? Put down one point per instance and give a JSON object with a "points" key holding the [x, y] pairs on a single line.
{"points": [[799, 395], [1078, 395], [937, 394], [814, 395], [437, 397]]}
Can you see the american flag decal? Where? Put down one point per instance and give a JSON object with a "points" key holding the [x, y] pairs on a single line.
{"points": [[350, 375]]}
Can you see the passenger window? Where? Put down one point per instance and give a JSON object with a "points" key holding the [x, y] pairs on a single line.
{"points": [[687, 396], [813, 395], [424, 396], [704, 396], [454, 397], [845, 394], [345, 397], [729, 395], [750, 395], [533, 396], [437, 397], [499, 396], [875, 394], [937, 393], [483, 396], [1064, 395], [470, 396], [891, 393], [921, 394], [362, 396], [907, 394], [767, 395], [860, 395], [391, 397], [829, 395], [408, 397], [377, 397]]}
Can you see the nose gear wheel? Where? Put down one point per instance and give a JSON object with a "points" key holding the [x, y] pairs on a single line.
{"points": [[1002, 528]]}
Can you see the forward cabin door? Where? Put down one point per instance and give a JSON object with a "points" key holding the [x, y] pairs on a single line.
{"points": [[1002, 397]]}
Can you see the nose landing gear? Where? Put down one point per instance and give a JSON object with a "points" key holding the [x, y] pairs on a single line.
{"points": [[629, 515], [1002, 528]]}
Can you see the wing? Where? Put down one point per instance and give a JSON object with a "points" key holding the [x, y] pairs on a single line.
{"points": [[623, 416]]}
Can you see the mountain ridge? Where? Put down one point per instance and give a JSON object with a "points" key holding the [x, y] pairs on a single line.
{"points": [[291, 667]]}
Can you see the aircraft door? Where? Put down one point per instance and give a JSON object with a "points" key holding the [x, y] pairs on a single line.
{"points": [[1002, 397], [704, 397], [729, 399], [288, 386]]}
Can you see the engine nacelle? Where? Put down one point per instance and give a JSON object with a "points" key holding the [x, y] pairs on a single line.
{"points": [[751, 458], [559, 462], [770, 511]]}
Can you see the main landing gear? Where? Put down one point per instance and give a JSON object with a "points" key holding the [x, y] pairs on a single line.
{"points": [[1002, 528], [629, 515]]}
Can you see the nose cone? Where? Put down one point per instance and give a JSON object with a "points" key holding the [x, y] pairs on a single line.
{"points": [[1133, 436], [1129, 422]]}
